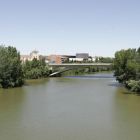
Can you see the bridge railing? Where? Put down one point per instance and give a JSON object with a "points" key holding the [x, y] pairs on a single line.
{"points": [[80, 64]]}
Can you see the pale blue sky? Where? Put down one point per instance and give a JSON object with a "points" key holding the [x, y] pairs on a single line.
{"points": [[98, 27]]}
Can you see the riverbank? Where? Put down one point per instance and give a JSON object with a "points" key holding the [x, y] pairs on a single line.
{"points": [[127, 68]]}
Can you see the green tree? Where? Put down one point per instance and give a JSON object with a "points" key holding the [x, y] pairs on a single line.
{"points": [[11, 74], [138, 50], [35, 63], [36, 69], [120, 62], [66, 61], [27, 64], [96, 60], [42, 61], [132, 70], [127, 68]]}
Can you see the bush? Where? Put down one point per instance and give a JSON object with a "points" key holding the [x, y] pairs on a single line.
{"points": [[33, 74], [0, 86], [133, 85]]}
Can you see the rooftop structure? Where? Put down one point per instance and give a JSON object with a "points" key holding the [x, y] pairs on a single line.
{"points": [[82, 55]]}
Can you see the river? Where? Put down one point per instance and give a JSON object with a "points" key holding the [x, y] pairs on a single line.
{"points": [[87, 107]]}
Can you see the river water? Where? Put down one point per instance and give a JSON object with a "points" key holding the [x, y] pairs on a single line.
{"points": [[88, 107]]}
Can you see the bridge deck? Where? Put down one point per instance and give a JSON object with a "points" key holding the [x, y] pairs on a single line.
{"points": [[69, 66], [79, 64]]}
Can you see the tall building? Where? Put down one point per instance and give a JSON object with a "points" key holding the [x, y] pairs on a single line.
{"points": [[33, 54]]}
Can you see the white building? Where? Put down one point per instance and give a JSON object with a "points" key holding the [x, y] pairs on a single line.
{"points": [[89, 59], [76, 59]]}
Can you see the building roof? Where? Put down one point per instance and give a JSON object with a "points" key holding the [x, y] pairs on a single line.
{"points": [[25, 56], [70, 56], [35, 51]]}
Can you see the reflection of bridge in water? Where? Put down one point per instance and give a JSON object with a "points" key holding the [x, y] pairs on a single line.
{"points": [[70, 66]]}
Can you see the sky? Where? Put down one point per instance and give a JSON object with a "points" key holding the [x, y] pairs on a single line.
{"points": [[67, 27]]}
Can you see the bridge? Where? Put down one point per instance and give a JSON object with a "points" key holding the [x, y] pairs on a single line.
{"points": [[70, 66]]}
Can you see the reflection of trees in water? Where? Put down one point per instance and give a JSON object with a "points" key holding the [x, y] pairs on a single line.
{"points": [[125, 114], [117, 85], [11, 106], [36, 82], [11, 96]]}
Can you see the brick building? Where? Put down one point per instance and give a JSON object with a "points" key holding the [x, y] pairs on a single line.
{"points": [[57, 59]]}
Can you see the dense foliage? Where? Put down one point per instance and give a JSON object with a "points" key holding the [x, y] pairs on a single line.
{"points": [[11, 74], [105, 60], [35, 69], [127, 68]]}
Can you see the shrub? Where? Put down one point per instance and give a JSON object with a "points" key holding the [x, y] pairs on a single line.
{"points": [[133, 85]]}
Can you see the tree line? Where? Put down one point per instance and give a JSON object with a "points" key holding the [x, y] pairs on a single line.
{"points": [[127, 68], [13, 73], [104, 60], [83, 70]]}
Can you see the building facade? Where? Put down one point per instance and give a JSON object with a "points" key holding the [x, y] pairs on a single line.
{"points": [[85, 56], [58, 59], [96, 57], [76, 59], [33, 54]]}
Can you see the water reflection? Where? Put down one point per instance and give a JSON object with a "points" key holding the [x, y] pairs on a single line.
{"points": [[117, 85], [126, 114], [11, 106], [36, 82]]}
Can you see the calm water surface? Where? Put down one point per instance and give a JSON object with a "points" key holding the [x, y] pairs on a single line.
{"points": [[88, 107]]}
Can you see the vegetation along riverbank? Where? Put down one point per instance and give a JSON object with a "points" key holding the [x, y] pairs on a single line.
{"points": [[13, 73], [127, 68], [84, 70]]}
